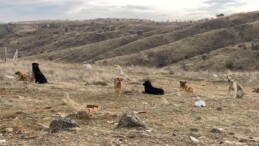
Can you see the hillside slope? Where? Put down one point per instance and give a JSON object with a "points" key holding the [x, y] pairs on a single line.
{"points": [[137, 42]]}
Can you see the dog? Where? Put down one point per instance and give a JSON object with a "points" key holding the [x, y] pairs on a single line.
{"points": [[22, 76], [118, 86], [39, 77], [235, 87], [184, 87], [149, 89]]}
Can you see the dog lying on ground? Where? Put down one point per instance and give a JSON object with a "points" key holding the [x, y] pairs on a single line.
{"points": [[184, 87], [118, 86], [235, 87], [255, 90], [39, 77], [149, 89], [22, 76]]}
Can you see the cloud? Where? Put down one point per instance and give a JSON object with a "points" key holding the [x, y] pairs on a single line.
{"points": [[18, 10], [22, 10]]}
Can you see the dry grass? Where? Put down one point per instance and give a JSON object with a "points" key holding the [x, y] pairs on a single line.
{"points": [[28, 108]]}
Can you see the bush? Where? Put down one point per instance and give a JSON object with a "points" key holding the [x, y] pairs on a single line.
{"points": [[204, 57], [229, 65]]}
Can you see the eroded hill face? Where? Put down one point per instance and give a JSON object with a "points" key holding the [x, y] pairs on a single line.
{"points": [[224, 43]]}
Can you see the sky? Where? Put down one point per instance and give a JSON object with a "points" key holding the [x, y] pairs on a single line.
{"points": [[158, 10]]}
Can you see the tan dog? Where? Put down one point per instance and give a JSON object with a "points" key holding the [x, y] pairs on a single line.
{"points": [[118, 86], [235, 87], [22, 76], [184, 87]]}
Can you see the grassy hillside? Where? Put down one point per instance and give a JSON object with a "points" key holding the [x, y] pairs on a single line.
{"points": [[133, 42]]}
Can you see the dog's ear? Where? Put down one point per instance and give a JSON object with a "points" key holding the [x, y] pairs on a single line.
{"points": [[229, 78]]}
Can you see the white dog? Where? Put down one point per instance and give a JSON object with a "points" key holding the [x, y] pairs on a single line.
{"points": [[235, 87]]}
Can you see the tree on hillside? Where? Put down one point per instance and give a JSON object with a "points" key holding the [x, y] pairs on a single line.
{"points": [[220, 15]]}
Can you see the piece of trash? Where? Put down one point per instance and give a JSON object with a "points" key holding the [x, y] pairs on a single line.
{"points": [[144, 102], [200, 103], [149, 130], [110, 122], [195, 140], [214, 75]]}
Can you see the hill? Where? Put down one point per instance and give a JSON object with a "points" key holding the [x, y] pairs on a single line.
{"points": [[141, 42]]}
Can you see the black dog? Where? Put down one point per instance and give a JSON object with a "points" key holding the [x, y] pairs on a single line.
{"points": [[39, 77], [149, 89]]}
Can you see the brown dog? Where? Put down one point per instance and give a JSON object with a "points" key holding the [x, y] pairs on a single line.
{"points": [[184, 87], [118, 86], [22, 76]]}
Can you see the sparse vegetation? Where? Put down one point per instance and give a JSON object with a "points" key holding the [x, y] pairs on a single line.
{"points": [[30, 107], [229, 65]]}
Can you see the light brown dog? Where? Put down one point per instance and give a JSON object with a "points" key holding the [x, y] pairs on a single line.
{"points": [[22, 76], [118, 86], [184, 87]]}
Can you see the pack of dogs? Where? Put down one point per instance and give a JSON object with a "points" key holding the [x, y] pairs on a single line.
{"points": [[38, 77]]}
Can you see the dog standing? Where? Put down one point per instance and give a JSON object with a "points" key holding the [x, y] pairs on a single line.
{"points": [[118, 86], [149, 89], [39, 77], [235, 87], [184, 87]]}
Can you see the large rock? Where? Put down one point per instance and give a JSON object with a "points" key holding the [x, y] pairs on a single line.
{"points": [[131, 120], [66, 124]]}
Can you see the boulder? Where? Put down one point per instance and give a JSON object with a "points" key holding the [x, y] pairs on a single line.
{"points": [[131, 120], [63, 124]]}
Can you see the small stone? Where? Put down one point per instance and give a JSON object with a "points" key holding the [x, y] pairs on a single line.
{"points": [[194, 129], [198, 118], [219, 108]]}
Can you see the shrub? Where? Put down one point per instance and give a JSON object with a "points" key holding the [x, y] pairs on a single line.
{"points": [[204, 57], [229, 65]]}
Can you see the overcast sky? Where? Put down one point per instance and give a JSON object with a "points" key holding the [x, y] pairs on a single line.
{"points": [[22, 10]]}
